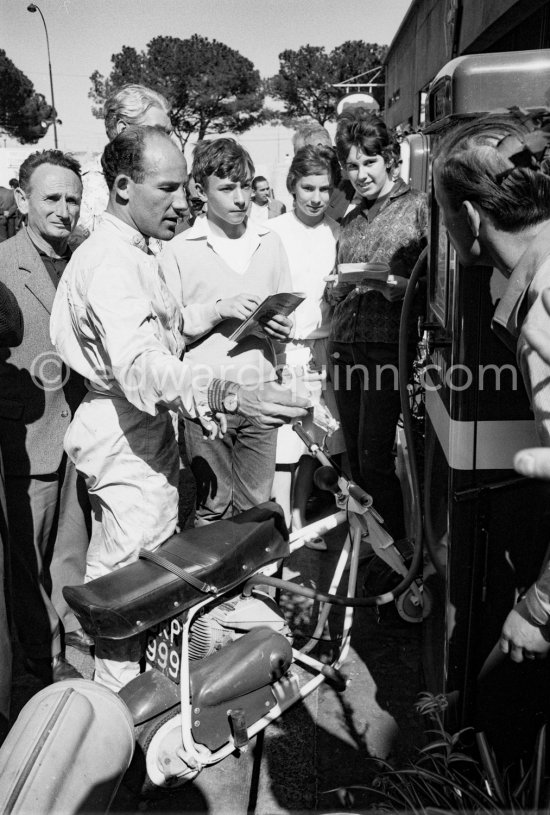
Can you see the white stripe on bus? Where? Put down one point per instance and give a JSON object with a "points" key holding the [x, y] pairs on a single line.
{"points": [[497, 441]]}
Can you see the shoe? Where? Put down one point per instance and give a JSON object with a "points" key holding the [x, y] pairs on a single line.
{"points": [[80, 640], [316, 543], [52, 670]]}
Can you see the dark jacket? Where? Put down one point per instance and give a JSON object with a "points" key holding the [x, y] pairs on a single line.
{"points": [[396, 235], [37, 396], [11, 319]]}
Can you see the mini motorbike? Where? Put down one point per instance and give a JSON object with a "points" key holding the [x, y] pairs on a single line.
{"points": [[220, 659]]}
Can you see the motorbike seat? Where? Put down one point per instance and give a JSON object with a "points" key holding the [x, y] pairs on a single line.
{"points": [[142, 594]]}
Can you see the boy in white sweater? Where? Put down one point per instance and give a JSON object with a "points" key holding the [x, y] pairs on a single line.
{"points": [[220, 270]]}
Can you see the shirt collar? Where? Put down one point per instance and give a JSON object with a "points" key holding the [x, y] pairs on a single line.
{"points": [[126, 232], [44, 248], [399, 188], [510, 312]]}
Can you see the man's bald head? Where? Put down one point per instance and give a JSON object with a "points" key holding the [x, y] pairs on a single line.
{"points": [[146, 174]]}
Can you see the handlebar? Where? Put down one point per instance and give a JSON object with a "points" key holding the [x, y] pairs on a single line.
{"points": [[362, 497], [359, 495], [310, 443], [327, 476]]}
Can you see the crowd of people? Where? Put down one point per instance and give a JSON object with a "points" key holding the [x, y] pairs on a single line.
{"points": [[121, 293], [119, 298]]}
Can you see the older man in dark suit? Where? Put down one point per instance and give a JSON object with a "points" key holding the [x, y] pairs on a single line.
{"points": [[47, 505]]}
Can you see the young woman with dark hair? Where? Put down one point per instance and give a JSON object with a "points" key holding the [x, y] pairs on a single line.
{"points": [[388, 226]]}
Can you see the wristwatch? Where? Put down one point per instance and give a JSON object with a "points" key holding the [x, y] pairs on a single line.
{"points": [[230, 399], [223, 396]]}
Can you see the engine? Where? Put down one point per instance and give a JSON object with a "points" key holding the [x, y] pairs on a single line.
{"points": [[230, 620]]}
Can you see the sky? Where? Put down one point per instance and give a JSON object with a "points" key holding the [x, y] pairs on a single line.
{"points": [[84, 34]]}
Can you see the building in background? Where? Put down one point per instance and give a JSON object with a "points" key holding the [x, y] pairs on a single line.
{"points": [[435, 31]]}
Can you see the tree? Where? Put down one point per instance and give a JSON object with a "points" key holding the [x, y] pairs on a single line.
{"points": [[24, 114], [306, 78], [211, 87]]}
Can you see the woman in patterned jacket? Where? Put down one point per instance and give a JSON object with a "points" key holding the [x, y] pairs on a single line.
{"points": [[388, 226]]}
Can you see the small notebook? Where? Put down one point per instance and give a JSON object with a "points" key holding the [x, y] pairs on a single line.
{"points": [[281, 303], [357, 272]]}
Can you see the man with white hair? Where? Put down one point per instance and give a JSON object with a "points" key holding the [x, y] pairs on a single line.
{"points": [[311, 133], [131, 105]]}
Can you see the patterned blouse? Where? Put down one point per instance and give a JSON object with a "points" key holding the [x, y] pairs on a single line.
{"points": [[394, 233]]}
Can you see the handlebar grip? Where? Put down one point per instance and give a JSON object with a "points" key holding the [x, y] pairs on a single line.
{"points": [[326, 478], [303, 434], [360, 495]]}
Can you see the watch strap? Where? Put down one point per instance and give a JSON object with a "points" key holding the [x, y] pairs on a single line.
{"points": [[218, 389]]}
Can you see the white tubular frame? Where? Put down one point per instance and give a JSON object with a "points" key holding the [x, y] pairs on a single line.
{"points": [[350, 511], [199, 755]]}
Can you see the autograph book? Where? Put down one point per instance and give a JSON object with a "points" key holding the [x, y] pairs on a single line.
{"points": [[357, 272], [281, 303]]}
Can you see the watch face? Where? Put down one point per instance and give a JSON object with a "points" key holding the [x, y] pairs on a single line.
{"points": [[230, 402]]}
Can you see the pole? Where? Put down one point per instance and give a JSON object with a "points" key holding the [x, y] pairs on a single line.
{"points": [[33, 7]]}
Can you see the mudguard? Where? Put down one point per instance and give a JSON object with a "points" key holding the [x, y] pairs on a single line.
{"points": [[148, 695], [67, 751]]}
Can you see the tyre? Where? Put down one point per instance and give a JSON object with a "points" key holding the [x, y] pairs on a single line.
{"points": [[155, 764]]}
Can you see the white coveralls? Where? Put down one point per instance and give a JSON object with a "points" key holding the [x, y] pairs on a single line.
{"points": [[116, 323]]}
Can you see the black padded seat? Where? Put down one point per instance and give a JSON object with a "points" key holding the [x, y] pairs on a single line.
{"points": [[140, 595]]}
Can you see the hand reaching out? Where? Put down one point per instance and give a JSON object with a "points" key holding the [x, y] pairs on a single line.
{"points": [[520, 638]]}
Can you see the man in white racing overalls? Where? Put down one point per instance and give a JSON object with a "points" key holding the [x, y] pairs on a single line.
{"points": [[115, 322]]}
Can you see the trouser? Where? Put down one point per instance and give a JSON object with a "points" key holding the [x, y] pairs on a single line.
{"points": [[130, 463], [234, 473], [49, 524], [367, 393]]}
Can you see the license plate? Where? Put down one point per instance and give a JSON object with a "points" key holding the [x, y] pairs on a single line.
{"points": [[163, 650]]}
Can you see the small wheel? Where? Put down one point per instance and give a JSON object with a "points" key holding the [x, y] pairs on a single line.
{"points": [[164, 755], [159, 748], [413, 609]]}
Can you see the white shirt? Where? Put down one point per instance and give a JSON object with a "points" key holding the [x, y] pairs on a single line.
{"points": [[115, 321], [236, 252], [258, 213], [311, 252], [198, 275]]}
